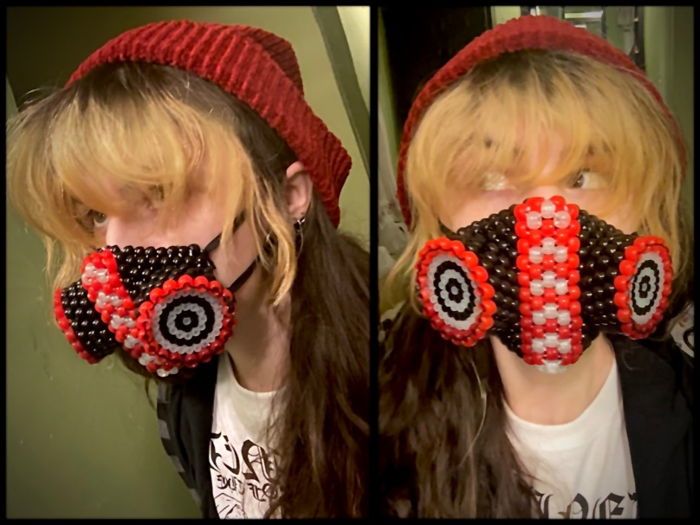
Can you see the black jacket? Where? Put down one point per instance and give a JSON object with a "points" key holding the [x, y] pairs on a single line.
{"points": [[657, 397]]}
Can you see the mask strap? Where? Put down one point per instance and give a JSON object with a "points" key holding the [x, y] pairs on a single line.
{"points": [[243, 277], [447, 232], [214, 244]]}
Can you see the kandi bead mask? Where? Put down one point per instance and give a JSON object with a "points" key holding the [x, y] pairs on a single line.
{"points": [[163, 306], [546, 278]]}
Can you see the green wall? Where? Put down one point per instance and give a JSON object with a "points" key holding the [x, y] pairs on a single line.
{"points": [[82, 440]]}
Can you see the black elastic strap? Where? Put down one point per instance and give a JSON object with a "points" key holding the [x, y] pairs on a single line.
{"points": [[243, 277], [214, 244]]}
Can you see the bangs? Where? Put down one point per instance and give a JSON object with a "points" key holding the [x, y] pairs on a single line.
{"points": [[506, 116], [109, 150]]}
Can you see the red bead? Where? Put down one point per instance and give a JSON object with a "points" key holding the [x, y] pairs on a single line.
{"points": [[564, 301], [620, 300], [534, 203], [551, 325], [535, 237], [522, 263], [523, 246], [627, 267], [631, 253], [470, 259], [538, 331], [201, 281], [520, 213], [564, 332], [574, 277], [521, 229], [576, 323], [537, 303], [525, 309], [488, 307], [526, 337], [573, 211], [575, 308], [574, 292], [621, 283], [479, 274], [573, 261], [524, 294], [526, 323], [624, 315], [551, 354], [548, 262], [550, 295], [487, 291], [523, 279], [535, 272], [558, 201], [573, 244], [548, 228]]}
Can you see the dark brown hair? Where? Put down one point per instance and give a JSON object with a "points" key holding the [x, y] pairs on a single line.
{"points": [[443, 447]]}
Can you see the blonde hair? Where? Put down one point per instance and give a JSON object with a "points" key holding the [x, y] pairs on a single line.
{"points": [[148, 130], [501, 111]]}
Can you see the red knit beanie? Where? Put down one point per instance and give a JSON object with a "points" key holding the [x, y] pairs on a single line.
{"points": [[526, 32], [257, 67]]}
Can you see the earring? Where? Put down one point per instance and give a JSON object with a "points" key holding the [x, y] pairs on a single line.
{"points": [[298, 229]]}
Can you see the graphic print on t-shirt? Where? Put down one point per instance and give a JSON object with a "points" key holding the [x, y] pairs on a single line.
{"points": [[243, 474], [612, 506]]}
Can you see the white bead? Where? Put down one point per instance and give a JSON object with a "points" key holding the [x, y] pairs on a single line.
{"points": [[561, 286], [551, 367], [551, 340], [561, 254], [548, 245], [102, 275], [535, 255], [564, 318], [162, 373], [536, 288], [534, 220], [548, 208], [562, 219], [174, 370], [564, 346], [538, 317], [538, 345], [550, 311], [131, 342], [548, 279]]}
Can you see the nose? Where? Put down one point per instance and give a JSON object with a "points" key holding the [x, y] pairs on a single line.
{"points": [[135, 231], [545, 191]]}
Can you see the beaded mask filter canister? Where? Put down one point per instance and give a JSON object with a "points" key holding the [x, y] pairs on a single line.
{"points": [[546, 278], [163, 306]]}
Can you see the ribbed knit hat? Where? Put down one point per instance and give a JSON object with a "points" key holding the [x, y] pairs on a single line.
{"points": [[526, 32], [257, 67]]}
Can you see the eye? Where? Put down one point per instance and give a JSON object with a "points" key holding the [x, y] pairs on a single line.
{"points": [[97, 219], [588, 180], [495, 181]]}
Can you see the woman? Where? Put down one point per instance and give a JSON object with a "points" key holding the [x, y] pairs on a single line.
{"points": [[183, 167], [510, 388]]}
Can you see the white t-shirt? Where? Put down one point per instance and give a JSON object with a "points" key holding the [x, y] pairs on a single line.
{"points": [[241, 466], [583, 468]]}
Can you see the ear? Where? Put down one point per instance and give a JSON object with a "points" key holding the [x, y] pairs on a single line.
{"points": [[298, 190]]}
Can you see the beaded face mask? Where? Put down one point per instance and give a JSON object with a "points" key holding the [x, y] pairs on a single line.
{"points": [[163, 306], [546, 278]]}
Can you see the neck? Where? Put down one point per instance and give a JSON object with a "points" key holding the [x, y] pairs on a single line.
{"points": [[553, 399], [259, 347]]}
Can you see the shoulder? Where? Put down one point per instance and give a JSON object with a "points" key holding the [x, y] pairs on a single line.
{"points": [[655, 368]]}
